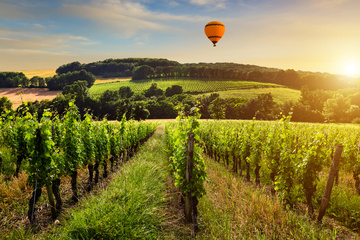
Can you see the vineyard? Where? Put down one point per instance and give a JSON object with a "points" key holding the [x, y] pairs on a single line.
{"points": [[189, 85], [278, 159], [293, 160], [50, 149]]}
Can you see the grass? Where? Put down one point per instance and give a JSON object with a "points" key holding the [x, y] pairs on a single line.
{"points": [[189, 85], [40, 73], [130, 208], [344, 201], [233, 209], [141, 203], [280, 95], [100, 80]]}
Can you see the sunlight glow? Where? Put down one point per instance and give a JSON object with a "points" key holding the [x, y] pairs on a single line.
{"points": [[351, 69]]}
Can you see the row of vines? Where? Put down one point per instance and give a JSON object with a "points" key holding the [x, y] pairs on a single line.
{"points": [[51, 148], [292, 158], [186, 165]]}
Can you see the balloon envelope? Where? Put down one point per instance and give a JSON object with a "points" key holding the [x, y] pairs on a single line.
{"points": [[214, 31]]}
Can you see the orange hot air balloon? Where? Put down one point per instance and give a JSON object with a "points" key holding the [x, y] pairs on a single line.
{"points": [[214, 31]]}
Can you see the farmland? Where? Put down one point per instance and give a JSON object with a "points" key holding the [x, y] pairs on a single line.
{"points": [[230, 209], [40, 73], [189, 85], [19, 95]]}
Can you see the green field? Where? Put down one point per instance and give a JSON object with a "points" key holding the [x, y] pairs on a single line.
{"points": [[189, 85], [280, 95]]}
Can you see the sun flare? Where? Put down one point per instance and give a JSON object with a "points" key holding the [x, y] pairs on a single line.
{"points": [[351, 69]]}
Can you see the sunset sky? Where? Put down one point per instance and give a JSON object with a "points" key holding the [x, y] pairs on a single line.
{"points": [[309, 35]]}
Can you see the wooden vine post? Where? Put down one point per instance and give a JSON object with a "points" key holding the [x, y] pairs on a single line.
{"points": [[189, 168], [330, 182]]}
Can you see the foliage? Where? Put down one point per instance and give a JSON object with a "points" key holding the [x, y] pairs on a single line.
{"points": [[173, 90], [5, 105], [335, 108], [58, 82], [143, 72], [177, 137], [153, 90], [13, 79], [78, 91], [217, 109]]}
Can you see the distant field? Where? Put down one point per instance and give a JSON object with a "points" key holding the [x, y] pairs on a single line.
{"points": [[40, 73], [27, 94], [189, 85], [100, 80], [280, 95]]}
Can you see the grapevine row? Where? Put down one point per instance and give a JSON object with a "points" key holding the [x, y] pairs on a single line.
{"points": [[53, 148], [182, 139], [287, 156]]}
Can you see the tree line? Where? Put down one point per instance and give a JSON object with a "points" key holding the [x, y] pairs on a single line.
{"points": [[57, 82], [151, 68], [155, 103]]}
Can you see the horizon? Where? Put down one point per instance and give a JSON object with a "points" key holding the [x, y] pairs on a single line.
{"points": [[309, 35]]}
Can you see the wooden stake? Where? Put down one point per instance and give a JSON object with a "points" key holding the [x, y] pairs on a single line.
{"points": [[330, 182], [51, 201], [189, 168]]}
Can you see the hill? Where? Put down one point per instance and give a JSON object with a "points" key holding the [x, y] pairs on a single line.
{"points": [[226, 88]]}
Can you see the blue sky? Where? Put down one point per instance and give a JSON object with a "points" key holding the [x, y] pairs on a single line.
{"points": [[309, 35]]}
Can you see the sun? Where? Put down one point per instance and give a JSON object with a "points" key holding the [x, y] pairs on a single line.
{"points": [[351, 69]]}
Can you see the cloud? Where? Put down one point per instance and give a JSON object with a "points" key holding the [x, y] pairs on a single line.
{"points": [[9, 10], [216, 3], [329, 3], [23, 39], [125, 17]]}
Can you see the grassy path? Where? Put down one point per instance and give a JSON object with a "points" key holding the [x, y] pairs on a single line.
{"points": [[132, 207]]}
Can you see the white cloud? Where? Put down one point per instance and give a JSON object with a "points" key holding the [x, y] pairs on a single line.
{"points": [[216, 3], [125, 17], [22, 39]]}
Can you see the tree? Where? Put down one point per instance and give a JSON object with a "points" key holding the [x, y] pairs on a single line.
{"points": [[5, 104], [153, 91], [143, 72], [109, 96], [315, 99], [205, 101], [335, 109], [161, 109], [70, 67], [125, 92], [261, 107], [139, 111], [173, 90], [265, 107], [132, 110], [217, 109], [78, 91], [58, 82]]}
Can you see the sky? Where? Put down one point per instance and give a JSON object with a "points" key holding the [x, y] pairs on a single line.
{"points": [[307, 35]]}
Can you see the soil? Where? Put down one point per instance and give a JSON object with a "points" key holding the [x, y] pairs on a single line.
{"points": [[19, 95]]}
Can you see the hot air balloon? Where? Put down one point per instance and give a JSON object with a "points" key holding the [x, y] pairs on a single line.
{"points": [[214, 31]]}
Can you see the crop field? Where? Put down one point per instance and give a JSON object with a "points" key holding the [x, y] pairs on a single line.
{"points": [[19, 95], [39, 73], [100, 80], [280, 95], [189, 85]]}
